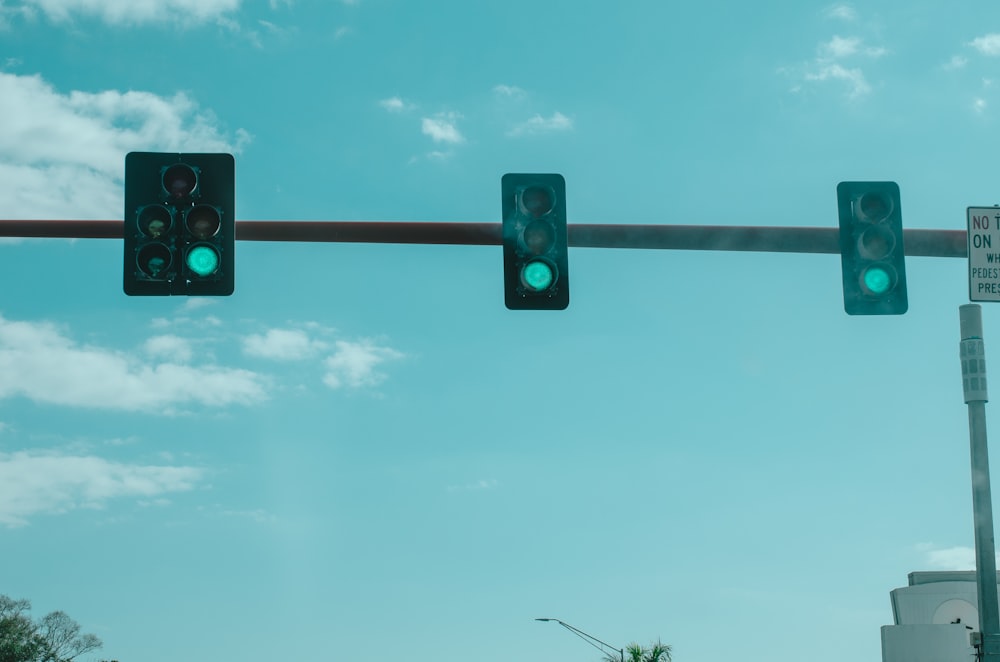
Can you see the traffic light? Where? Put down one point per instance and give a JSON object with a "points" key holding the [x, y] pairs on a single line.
{"points": [[871, 248], [179, 224], [536, 274]]}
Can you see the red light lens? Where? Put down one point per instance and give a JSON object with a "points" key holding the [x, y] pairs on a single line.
{"points": [[179, 180], [537, 201]]}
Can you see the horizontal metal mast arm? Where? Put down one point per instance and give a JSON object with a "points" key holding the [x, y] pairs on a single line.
{"points": [[929, 243]]}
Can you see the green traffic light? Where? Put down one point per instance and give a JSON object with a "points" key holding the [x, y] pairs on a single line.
{"points": [[538, 275], [203, 260], [877, 280]]}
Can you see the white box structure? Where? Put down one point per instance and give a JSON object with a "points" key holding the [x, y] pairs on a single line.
{"points": [[934, 617]]}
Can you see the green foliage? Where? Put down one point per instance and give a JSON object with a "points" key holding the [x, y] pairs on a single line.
{"points": [[655, 652], [54, 638]]}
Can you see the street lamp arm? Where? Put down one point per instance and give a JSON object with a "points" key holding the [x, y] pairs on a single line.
{"points": [[590, 639]]}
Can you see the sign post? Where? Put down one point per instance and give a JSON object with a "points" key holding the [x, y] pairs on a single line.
{"points": [[984, 253]]}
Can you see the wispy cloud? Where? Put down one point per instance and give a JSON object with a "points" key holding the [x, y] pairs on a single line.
{"points": [[396, 105], [538, 124], [282, 344], [62, 155], [39, 362], [839, 47], [855, 78], [196, 303], [841, 12], [948, 558], [442, 129], [37, 482], [169, 347], [345, 364], [987, 44], [830, 65], [508, 91], [355, 364], [839, 59], [956, 62], [274, 29], [131, 12]]}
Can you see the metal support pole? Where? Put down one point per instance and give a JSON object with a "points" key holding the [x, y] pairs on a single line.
{"points": [[974, 388], [928, 243]]}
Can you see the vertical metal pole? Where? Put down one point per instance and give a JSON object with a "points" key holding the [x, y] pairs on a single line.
{"points": [[974, 387]]}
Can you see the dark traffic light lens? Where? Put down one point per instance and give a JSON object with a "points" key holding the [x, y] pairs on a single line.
{"points": [[874, 207], [538, 275], [203, 260], [537, 201], [203, 221], [538, 237], [878, 279], [154, 260], [179, 180], [876, 242], [154, 220]]}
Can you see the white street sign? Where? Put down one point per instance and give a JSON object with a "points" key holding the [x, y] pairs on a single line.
{"points": [[984, 253]]}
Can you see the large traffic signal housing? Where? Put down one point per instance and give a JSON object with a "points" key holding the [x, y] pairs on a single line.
{"points": [[535, 256], [871, 248], [179, 224]]}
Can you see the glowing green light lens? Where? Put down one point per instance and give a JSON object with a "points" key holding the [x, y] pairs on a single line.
{"points": [[877, 280], [203, 260], [537, 276]]}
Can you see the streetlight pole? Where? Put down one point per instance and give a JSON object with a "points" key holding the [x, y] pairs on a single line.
{"points": [[974, 388], [586, 637]]}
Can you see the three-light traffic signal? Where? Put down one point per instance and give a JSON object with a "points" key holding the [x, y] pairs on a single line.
{"points": [[535, 255], [871, 248], [179, 224]]}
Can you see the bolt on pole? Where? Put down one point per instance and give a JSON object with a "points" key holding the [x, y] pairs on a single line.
{"points": [[973, 360]]}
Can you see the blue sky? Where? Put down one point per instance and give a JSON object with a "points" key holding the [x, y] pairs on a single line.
{"points": [[363, 454]]}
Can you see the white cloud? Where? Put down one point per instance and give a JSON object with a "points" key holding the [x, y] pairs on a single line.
{"points": [[839, 47], [282, 344], [441, 128], [272, 28], [63, 155], [842, 12], [354, 364], [979, 105], [510, 91], [829, 55], [33, 482], [539, 124], [131, 12], [194, 303], [169, 347], [950, 558], [40, 363], [987, 44], [855, 78], [395, 105]]}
